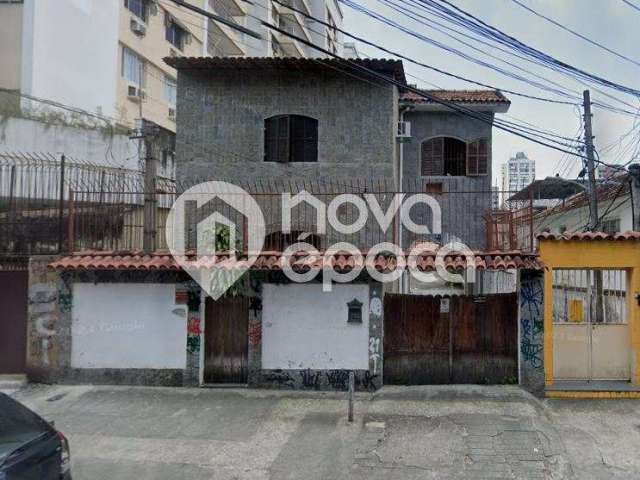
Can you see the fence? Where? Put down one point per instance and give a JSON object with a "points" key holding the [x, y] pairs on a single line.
{"points": [[36, 198], [115, 220]]}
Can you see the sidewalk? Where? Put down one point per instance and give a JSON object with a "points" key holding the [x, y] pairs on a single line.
{"points": [[457, 432]]}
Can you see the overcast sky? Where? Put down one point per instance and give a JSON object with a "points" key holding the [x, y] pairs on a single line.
{"points": [[610, 22]]}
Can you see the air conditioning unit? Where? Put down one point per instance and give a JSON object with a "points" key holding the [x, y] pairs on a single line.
{"points": [[138, 27], [172, 114], [135, 93], [404, 131]]}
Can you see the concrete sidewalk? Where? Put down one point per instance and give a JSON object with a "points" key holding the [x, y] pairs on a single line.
{"points": [[458, 432]]}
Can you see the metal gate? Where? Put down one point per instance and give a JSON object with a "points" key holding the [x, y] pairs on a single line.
{"points": [[591, 338], [462, 339], [13, 321], [226, 340]]}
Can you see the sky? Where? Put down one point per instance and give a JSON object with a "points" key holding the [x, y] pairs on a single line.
{"points": [[609, 22]]}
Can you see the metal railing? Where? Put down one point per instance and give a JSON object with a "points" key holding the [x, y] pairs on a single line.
{"points": [[114, 220], [36, 198]]}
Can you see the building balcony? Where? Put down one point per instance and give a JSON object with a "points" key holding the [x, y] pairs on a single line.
{"points": [[223, 41], [292, 47]]}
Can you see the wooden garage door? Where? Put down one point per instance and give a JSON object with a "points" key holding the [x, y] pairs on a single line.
{"points": [[225, 340], [474, 340], [13, 321]]}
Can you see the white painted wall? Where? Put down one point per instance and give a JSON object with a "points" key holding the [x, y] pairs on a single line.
{"points": [[94, 146], [70, 52], [132, 325], [303, 327]]}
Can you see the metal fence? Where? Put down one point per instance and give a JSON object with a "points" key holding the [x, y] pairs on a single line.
{"points": [[36, 198], [115, 220]]}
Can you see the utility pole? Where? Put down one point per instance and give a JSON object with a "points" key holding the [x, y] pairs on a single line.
{"points": [[593, 202], [147, 132], [588, 140], [634, 170]]}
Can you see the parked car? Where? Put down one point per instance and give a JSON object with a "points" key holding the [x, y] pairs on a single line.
{"points": [[30, 447]]}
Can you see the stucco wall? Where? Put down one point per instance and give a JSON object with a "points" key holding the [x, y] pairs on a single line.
{"points": [[127, 326], [59, 64], [10, 44], [221, 124], [307, 328]]}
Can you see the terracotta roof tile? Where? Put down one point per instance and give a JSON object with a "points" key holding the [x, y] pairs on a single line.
{"points": [[162, 260], [590, 236], [390, 67], [459, 96]]}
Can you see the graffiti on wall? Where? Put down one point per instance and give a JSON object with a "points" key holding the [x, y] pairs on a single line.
{"points": [[532, 321], [374, 354], [193, 334], [43, 298], [255, 333]]}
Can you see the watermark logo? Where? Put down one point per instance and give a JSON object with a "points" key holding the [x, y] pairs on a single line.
{"points": [[198, 236], [205, 242]]}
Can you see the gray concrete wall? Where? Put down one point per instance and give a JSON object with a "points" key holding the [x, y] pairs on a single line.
{"points": [[220, 131], [531, 328], [462, 213]]}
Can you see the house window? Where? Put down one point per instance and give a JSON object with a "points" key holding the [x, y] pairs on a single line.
{"points": [[291, 138], [140, 8], [453, 157], [133, 67], [478, 157], [611, 225], [170, 90], [174, 33], [331, 34]]}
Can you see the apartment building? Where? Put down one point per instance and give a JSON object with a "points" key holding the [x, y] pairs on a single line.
{"points": [[106, 56], [518, 172]]}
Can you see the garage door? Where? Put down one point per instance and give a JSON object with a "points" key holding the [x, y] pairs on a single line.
{"points": [[462, 339]]}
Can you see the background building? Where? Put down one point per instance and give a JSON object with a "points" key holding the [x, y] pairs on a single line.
{"points": [[120, 75], [518, 172]]}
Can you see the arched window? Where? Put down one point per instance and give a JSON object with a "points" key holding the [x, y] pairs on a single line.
{"points": [[291, 138], [450, 156]]}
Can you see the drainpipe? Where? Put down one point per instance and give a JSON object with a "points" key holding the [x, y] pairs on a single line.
{"points": [[634, 170]]}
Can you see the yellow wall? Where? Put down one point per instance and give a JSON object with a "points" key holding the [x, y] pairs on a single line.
{"points": [[153, 47], [585, 254]]}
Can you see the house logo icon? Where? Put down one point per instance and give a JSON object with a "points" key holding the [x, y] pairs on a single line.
{"points": [[204, 240]]}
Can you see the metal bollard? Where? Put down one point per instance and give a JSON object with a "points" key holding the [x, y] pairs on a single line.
{"points": [[352, 386]]}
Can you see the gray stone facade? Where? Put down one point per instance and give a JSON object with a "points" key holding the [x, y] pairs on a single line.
{"points": [[220, 131], [465, 199]]}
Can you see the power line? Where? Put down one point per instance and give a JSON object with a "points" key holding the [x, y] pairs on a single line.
{"points": [[632, 5], [573, 32], [474, 23]]}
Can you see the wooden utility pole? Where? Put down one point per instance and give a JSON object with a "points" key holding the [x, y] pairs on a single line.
{"points": [[594, 220], [634, 170]]}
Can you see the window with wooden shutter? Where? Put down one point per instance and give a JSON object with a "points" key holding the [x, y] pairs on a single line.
{"points": [[432, 156], [478, 157], [291, 138]]}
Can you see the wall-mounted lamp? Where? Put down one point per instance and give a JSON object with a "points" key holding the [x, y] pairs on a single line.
{"points": [[354, 311]]}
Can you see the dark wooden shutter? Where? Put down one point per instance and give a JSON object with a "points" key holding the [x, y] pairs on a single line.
{"points": [[478, 157], [304, 139], [432, 157], [276, 139]]}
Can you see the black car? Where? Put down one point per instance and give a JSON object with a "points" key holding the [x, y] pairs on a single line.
{"points": [[30, 448]]}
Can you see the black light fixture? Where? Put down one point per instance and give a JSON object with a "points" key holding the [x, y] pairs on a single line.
{"points": [[354, 311]]}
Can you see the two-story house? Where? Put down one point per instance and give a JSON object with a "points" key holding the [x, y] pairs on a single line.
{"points": [[254, 119]]}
